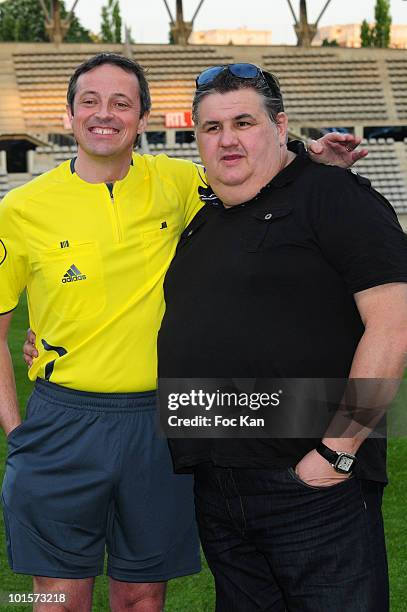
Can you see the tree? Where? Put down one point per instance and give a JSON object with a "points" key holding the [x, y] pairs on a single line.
{"points": [[76, 32], [23, 20], [366, 34], [330, 43], [382, 26], [111, 28], [379, 34]]}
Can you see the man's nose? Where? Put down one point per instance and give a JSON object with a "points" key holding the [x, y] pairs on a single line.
{"points": [[104, 111], [228, 137]]}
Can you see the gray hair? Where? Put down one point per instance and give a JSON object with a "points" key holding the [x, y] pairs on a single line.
{"points": [[225, 81]]}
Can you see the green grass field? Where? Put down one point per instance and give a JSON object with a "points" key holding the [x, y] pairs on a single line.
{"points": [[196, 594]]}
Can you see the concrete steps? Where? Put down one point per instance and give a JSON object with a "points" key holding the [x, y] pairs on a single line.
{"points": [[11, 112]]}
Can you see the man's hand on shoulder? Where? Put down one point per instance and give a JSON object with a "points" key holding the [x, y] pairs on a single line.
{"points": [[336, 149]]}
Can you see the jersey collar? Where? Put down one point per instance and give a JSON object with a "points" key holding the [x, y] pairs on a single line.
{"points": [[73, 160]]}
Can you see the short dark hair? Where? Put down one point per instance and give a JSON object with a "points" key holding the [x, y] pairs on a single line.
{"points": [[225, 81], [113, 59]]}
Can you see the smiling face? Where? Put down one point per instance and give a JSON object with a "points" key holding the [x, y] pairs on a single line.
{"points": [[106, 112], [241, 148]]}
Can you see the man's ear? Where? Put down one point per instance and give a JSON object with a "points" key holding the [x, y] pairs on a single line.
{"points": [[69, 112], [282, 127], [143, 122], [67, 118]]}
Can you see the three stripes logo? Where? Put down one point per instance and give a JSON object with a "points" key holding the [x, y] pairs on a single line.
{"points": [[73, 275]]}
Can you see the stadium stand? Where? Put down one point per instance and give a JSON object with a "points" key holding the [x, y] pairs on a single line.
{"points": [[329, 88], [184, 150], [384, 167], [44, 158], [324, 87], [4, 184], [11, 116], [397, 69]]}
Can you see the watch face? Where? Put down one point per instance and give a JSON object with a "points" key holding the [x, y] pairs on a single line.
{"points": [[344, 463]]}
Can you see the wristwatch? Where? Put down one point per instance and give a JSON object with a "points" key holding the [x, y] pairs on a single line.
{"points": [[341, 462]]}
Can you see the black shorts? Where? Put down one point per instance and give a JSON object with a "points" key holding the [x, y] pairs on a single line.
{"points": [[87, 471]]}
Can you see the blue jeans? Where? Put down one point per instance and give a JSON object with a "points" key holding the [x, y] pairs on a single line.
{"points": [[273, 543]]}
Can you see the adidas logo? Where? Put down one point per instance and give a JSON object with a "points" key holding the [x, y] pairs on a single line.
{"points": [[73, 275]]}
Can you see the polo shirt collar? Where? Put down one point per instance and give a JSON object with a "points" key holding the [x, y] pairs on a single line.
{"points": [[288, 174]]}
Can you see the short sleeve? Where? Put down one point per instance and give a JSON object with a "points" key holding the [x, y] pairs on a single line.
{"points": [[193, 204], [187, 177], [13, 256], [360, 235]]}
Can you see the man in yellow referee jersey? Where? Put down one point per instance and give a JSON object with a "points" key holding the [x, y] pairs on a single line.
{"points": [[91, 241]]}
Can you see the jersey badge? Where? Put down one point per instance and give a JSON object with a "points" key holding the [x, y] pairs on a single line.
{"points": [[72, 275]]}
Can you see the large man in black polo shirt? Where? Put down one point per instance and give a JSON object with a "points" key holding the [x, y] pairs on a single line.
{"points": [[291, 270]]}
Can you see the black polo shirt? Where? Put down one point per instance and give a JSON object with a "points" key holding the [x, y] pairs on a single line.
{"points": [[265, 289]]}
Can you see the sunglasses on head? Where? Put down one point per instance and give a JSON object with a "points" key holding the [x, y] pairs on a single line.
{"points": [[241, 71]]}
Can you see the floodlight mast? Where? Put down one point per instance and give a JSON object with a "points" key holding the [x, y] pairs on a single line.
{"points": [[179, 28], [304, 30], [56, 27]]}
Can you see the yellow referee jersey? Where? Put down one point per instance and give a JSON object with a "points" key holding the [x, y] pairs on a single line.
{"points": [[93, 259]]}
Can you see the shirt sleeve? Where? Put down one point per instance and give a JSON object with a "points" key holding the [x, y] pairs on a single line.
{"points": [[13, 255], [193, 203], [187, 177], [360, 235]]}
